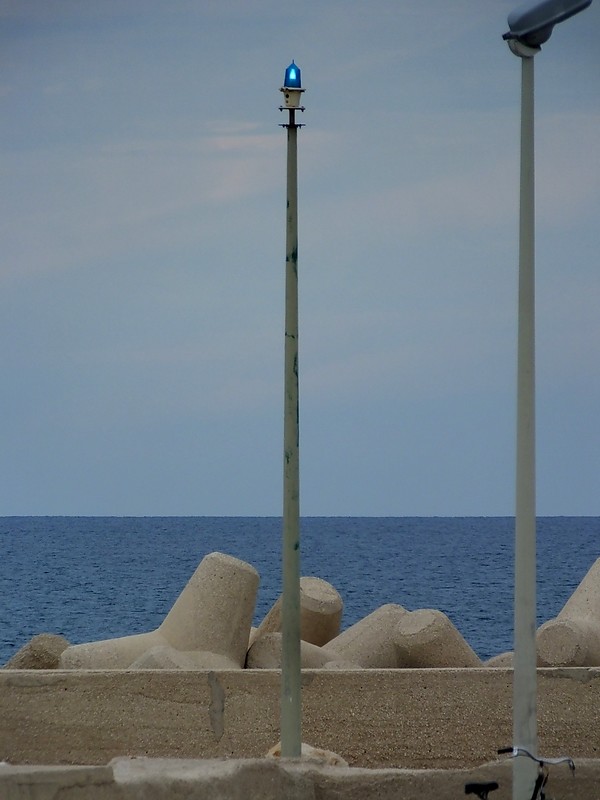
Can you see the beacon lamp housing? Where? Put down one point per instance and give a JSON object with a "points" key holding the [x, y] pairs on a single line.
{"points": [[291, 97], [292, 87]]}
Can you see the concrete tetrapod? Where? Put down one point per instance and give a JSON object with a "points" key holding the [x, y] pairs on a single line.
{"points": [[371, 642], [427, 638], [320, 613], [41, 652], [572, 638], [501, 661], [212, 614], [265, 653], [165, 657]]}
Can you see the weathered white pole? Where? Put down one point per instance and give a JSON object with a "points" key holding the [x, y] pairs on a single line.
{"points": [[530, 28], [525, 676], [291, 703]]}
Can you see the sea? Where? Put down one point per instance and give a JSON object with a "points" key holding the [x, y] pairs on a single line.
{"points": [[91, 578]]}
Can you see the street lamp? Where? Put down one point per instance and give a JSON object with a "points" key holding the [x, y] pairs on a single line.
{"points": [[530, 27], [291, 708]]}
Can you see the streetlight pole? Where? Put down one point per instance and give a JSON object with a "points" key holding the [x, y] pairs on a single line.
{"points": [[530, 27], [291, 704], [525, 660]]}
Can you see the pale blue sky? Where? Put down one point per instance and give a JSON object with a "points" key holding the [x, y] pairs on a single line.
{"points": [[143, 213]]}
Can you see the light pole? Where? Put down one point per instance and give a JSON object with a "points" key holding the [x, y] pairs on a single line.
{"points": [[530, 27], [291, 705]]}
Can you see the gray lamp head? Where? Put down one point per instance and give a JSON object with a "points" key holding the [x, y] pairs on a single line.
{"points": [[532, 25]]}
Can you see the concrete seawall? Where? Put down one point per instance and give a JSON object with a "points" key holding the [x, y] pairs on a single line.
{"points": [[265, 779], [410, 719]]}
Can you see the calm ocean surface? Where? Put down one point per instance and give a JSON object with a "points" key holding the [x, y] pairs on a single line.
{"points": [[93, 578]]}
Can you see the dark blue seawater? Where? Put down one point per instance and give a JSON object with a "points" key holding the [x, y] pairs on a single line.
{"points": [[92, 578]]}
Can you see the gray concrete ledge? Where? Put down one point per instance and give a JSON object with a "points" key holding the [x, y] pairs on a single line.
{"points": [[265, 779], [411, 719]]}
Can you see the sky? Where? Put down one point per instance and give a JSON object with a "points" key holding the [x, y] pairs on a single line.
{"points": [[143, 258]]}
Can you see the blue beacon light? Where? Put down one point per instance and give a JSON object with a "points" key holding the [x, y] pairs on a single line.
{"points": [[292, 88], [292, 78]]}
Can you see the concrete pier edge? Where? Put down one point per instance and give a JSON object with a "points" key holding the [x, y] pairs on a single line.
{"points": [[265, 779]]}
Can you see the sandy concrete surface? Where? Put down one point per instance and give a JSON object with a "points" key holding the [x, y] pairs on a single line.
{"points": [[265, 779], [417, 719]]}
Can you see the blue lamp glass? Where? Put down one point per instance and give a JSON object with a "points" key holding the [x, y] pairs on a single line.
{"points": [[292, 78]]}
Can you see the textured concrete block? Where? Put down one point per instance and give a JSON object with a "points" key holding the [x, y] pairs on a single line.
{"points": [[41, 652], [564, 642], [501, 661], [321, 610], [572, 638], [272, 779], [427, 638], [265, 653], [372, 718], [166, 657], [252, 637], [260, 779], [161, 657], [110, 653], [370, 643], [212, 614], [56, 783]]}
